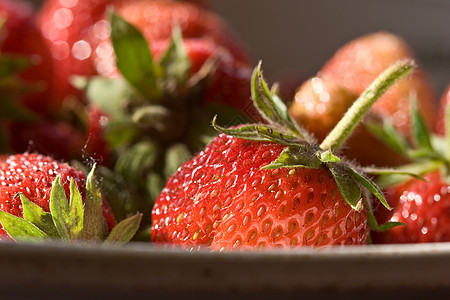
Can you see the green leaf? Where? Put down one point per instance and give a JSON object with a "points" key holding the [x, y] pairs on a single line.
{"points": [[20, 229], [94, 227], [371, 187], [421, 133], [419, 168], [125, 230], [271, 108], [176, 155], [34, 214], [390, 136], [59, 209], [110, 95], [372, 221], [76, 211], [134, 58], [349, 189], [10, 65], [274, 135], [120, 132], [303, 156], [246, 132], [134, 163], [11, 110], [175, 62]]}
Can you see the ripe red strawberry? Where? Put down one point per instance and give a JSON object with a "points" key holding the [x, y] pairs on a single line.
{"points": [[357, 64], [444, 102], [222, 199], [270, 185], [20, 36], [320, 103], [43, 192], [424, 207]]}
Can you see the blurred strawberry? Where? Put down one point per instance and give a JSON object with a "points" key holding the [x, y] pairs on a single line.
{"points": [[60, 140], [20, 36], [78, 33], [357, 64], [320, 103]]}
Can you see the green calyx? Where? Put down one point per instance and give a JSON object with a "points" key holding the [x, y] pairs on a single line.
{"points": [[302, 151], [69, 220], [425, 151]]}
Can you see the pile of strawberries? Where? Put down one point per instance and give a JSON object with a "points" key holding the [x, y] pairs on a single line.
{"points": [[126, 91]]}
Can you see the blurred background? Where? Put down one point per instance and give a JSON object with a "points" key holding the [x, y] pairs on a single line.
{"points": [[294, 38]]}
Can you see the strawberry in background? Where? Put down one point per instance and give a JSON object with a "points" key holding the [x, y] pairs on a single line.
{"points": [[21, 37], [78, 33], [422, 204], [353, 67]]}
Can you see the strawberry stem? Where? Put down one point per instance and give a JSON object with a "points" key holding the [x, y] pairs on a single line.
{"points": [[362, 105]]}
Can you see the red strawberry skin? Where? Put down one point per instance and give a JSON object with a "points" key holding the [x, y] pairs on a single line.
{"points": [[360, 61], [222, 199], [424, 207], [33, 175], [445, 100], [21, 36]]}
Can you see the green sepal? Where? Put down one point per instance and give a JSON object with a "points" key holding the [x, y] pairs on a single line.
{"points": [[94, 226], [246, 132], [328, 157], [125, 230], [34, 214], [302, 156], [387, 133], [270, 106], [345, 181], [175, 62], [59, 209], [175, 156], [20, 229], [405, 172], [10, 65], [134, 58], [371, 187], [372, 221], [274, 135], [76, 211], [11, 110], [421, 133], [136, 160], [110, 95]]}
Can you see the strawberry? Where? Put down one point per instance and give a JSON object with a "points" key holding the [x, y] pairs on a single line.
{"points": [[444, 101], [320, 103], [55, 138], [21, 37], [96, 144], [32, 185], [270, 185], [356, 65], [422, 204], [78, 32]]}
